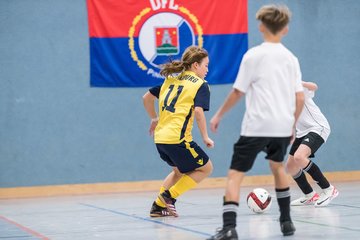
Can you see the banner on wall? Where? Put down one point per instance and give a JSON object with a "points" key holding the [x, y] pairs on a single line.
{"points": [[129, 40]]}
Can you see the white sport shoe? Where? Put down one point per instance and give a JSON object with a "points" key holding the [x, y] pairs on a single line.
{"points": [[308, 199], [327, 196]]}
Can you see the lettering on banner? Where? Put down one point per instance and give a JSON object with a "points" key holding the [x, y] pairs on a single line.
{"points": [[157, 4]]}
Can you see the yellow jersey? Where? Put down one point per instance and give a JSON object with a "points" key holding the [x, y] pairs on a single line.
{"points": [[178, 96]]}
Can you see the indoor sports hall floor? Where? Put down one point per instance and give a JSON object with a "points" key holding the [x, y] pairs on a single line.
{"points": [[125, 216]]}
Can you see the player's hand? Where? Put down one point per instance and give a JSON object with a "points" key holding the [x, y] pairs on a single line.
{"points": [[209, 143], [214, 123], [153, 125]]}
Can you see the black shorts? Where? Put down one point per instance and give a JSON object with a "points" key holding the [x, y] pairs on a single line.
{"points": [[186, 156], [312, 140], [247, 148]]}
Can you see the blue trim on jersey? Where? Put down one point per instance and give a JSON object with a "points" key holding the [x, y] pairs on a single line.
{"points": [[202, 98], [155, 91], [186, 122]]}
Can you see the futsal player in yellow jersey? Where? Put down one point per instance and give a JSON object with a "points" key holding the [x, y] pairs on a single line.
{"points": [[181, 98]]}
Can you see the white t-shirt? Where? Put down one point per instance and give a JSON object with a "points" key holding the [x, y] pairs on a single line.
{"points": [[312, 119], [270, 76]]}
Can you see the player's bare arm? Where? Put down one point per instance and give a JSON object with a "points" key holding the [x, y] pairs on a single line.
{"points": [[201, 122], [310, 85], [233, 97], [300, 100], [149, 104]]}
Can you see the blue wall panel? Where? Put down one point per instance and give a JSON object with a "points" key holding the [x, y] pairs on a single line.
{"points": [[55, 129]]}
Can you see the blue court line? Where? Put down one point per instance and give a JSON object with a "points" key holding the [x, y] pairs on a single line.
{"points": [[344, 205], [146, 219], [327, 225], [332, 226]]}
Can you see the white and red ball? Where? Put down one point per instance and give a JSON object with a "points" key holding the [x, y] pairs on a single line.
{"points": [[259, 200]]}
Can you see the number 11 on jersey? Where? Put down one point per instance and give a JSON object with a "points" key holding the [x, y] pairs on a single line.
{"points": [[171, 106]]}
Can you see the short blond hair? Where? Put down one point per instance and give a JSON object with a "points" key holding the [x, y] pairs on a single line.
{"points": [[274, 17]]}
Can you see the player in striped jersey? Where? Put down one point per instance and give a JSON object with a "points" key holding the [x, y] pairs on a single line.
{"points": [[183, 97]]}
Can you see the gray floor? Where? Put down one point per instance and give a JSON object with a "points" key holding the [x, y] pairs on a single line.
{"points": [[125, 216]]}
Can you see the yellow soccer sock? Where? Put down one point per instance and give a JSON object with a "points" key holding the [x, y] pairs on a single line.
{"points": [[184, 184], [158, 201]]}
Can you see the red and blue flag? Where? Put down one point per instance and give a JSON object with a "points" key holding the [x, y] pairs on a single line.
{"points": [[130, 39]]}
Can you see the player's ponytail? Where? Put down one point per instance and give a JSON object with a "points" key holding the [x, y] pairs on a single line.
{"points": [[191, 55], [172, 67]]}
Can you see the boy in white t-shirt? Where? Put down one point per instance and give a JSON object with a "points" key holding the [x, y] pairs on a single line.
{"points": [[312, 130], [270, 77]]}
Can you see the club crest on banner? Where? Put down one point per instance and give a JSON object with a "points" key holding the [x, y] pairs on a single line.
{"points": [[164, 30], [167, 40]]}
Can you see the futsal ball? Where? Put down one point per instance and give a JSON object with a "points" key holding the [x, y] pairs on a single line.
{"points": [[259, 200]]}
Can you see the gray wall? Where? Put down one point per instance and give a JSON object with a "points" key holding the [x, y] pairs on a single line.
{"points": [[55, 129]]}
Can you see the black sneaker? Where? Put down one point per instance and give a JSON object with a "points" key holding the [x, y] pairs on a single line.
{"points": [[169, 202], [157, 211], [287, 228], [227, 233]]}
